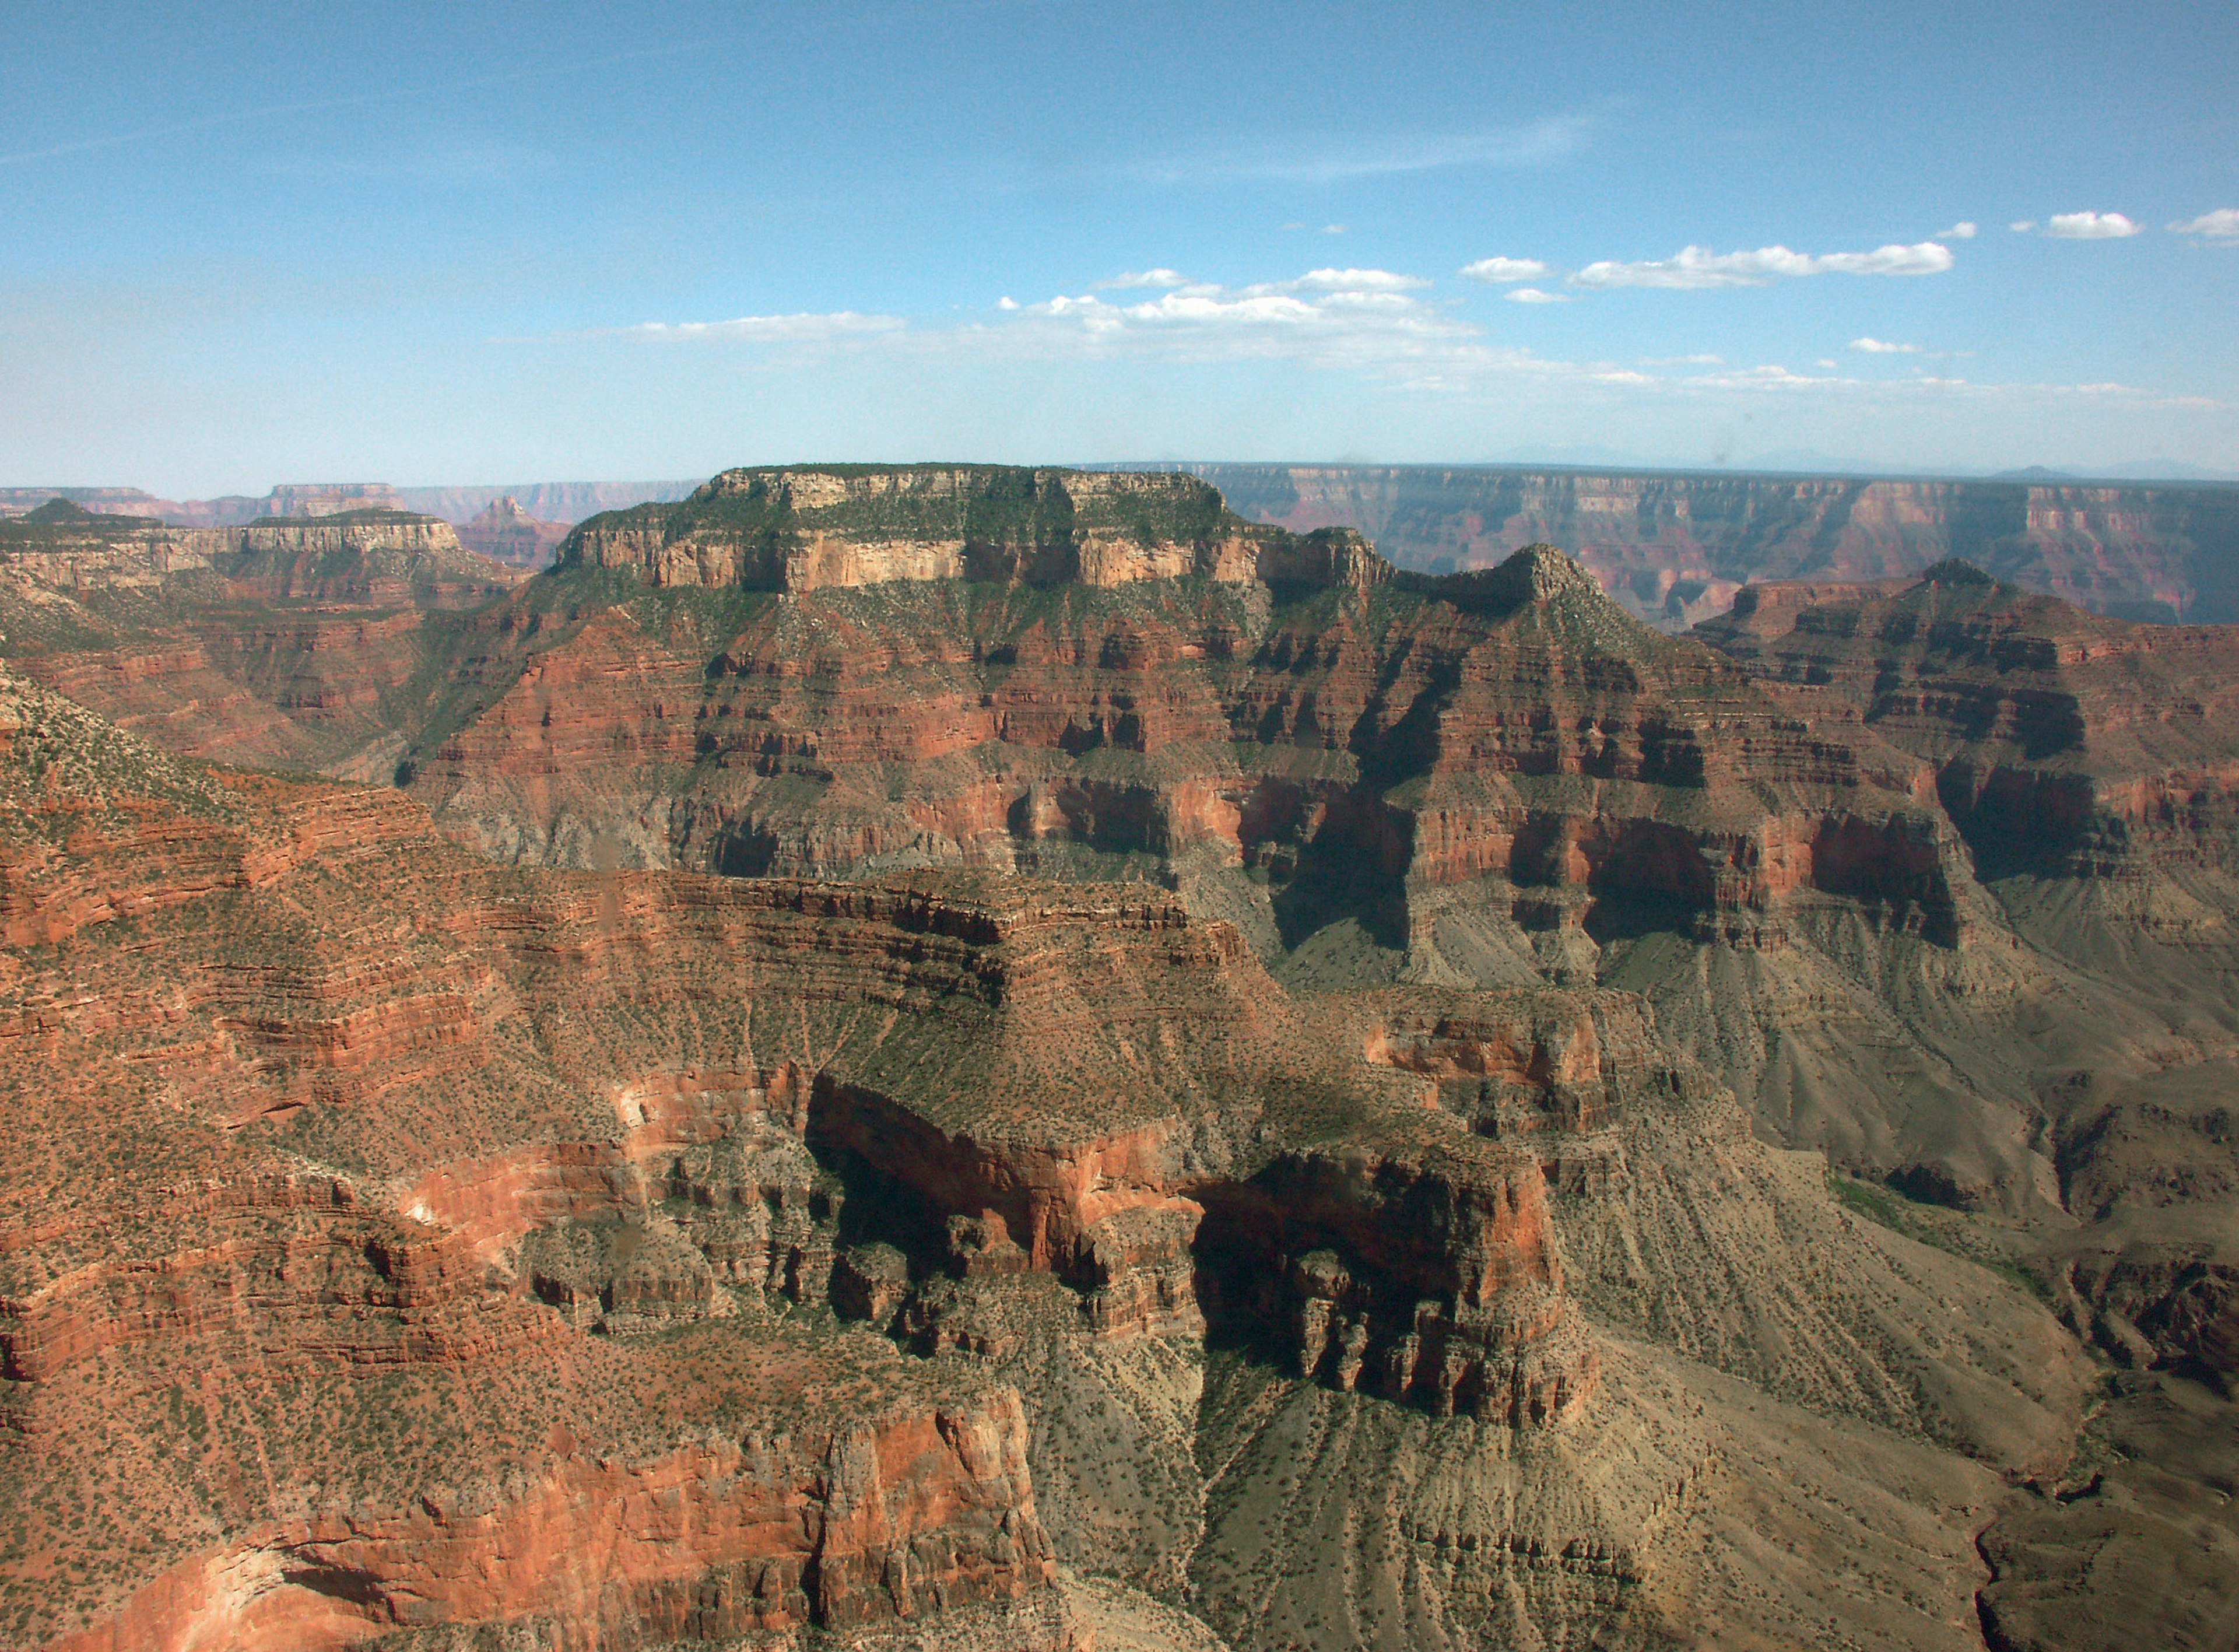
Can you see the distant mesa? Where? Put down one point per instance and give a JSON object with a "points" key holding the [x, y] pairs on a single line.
{"points": [[804, 528], [365, 551], [331, 499]]}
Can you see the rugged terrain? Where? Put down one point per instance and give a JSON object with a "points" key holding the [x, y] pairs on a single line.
{"points": [[1354, 1107], [501, 1247], [287, 641], [1674, 546]]}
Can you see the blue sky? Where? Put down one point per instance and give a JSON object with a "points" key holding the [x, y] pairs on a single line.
{"points": [[249, 245]]}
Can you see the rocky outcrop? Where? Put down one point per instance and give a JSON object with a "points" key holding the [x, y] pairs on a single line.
{"points": [[359, 555], [331, 499], [2061, 739], [504, 531], [895, 1517]]}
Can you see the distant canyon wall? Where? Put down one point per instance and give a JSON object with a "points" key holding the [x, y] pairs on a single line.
{"points": [[558, 502], [1673, 547]]}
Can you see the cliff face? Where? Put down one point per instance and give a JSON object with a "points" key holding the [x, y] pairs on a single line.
{"points": [[1673, 548], [1492, 777], [409, 1243], [62, 546], [286, 642], [808, 528], [361, 556], [2061, 738]]}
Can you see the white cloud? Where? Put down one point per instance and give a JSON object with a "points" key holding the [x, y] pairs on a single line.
{"points": [[2222, 224], [1354, 281], [1160, 277], [1963, 230], [1683, 361], [1533, 295], [1698, 267], [2022, 226], [803, 326], [1504, 269], [1324, 312], [2090, 226], [1827, 362], [1771, 376], [1006, 303], [1883, 346], [1333, 229]]}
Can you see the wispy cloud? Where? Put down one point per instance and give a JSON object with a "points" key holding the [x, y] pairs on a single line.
{"points": [[2090, 226], [1963, 230], [1698, 267], [1377, 328], [2222, 224], [1158, 278], [1498, 269], [1770, 376], [806, 326], [2022, 226], [1299, 161]]}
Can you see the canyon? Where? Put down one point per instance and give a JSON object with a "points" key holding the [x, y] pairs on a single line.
{"points": [[1673, 547], [899, 1052]]}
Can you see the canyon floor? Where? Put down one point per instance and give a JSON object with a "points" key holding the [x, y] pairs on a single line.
{"points": [[965, 1056]]}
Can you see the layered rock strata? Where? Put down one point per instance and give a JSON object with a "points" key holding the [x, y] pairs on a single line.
{"points": [[812, 528], [1674, 548]]}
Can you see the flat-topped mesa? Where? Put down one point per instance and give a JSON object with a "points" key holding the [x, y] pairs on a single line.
{"points": [[332, 499], [339, 555], [63, 545], [801, 528], [354, 555]]}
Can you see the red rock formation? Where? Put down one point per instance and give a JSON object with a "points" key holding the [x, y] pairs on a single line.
{"points": [[890, 1517], [2057, 736], [551, 1105]]}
